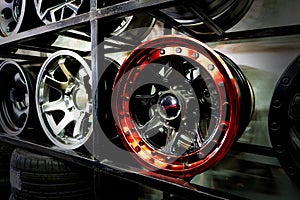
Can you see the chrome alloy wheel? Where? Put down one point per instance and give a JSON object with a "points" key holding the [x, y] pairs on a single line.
{"points": [[15, 98], [177, 106], [64, 100], [56, 10], [12, 14]]}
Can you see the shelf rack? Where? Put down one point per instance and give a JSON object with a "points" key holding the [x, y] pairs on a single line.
{"points": [[94, 19]]}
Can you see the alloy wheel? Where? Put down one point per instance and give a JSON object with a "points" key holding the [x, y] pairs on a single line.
{"points": [[16, 93], [63, 99], [177, 106]]}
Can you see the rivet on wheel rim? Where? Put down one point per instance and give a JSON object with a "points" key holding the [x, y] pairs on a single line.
{"points": [[63, 99], [15, 97], [176, 105]]}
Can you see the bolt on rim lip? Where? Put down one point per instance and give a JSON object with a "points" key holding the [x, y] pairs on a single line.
{"points": [[64, 100], [14, 98], [154, 157], [12, 14], [283, 120]]}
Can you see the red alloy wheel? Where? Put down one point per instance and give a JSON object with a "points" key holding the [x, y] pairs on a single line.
{"points": [[176, 106]]}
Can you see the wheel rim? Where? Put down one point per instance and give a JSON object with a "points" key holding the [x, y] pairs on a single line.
{"points": [[224, 13], [15, 98], [105, 116], [135, 27], [63, 99], [246, 93], [12, 14], [283, 120], [57, 10], [208, 114]]}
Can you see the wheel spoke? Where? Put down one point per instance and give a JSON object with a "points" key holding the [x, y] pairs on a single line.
{"points": [[73, 7], [19, 81], [55, 84], [294, 107], [64, 69], [166, 71], [147, 100], [57, 8], [54, 106], [295, 137], [67, 119], [79, 125], [171, 141], [152, 127], [19, 112]]}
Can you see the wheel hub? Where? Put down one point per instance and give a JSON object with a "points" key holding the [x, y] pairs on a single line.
{"points": [[169, 107], [80, 98]]}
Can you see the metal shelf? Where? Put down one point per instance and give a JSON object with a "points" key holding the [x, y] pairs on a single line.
{"points": [[93, 19]]}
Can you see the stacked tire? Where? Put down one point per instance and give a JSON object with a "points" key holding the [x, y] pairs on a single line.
{"points": [[37, 176], [5, 153]]}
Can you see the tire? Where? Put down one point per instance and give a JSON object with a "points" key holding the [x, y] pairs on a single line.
{"points": [[5, 153], [36, 176]]}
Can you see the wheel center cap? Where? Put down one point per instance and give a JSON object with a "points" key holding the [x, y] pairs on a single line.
{"points": [[80, 98], [169, 107]]}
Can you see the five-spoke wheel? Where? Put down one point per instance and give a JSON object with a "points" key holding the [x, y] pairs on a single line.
{"points": [[177, 105], [64, 100]]}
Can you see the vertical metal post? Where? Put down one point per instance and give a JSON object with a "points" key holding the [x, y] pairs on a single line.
{"points": [[95, 77], [97, 66]]}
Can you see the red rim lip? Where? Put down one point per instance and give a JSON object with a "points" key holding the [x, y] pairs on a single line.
{"points": [[143, 152]]}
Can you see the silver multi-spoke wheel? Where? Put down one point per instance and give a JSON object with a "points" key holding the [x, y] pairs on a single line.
{"points": [[12, 13], [15, 91], [57, 10], [63, 99]]}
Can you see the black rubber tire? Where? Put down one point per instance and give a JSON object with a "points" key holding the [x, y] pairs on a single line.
{"points": [[5, 153], [37, 176]]}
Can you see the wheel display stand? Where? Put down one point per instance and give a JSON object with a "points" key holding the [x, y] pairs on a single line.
{"points": [[257, 176]]}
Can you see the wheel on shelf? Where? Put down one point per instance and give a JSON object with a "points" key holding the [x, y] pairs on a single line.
{"points": [[50, 11], [16, 16], [225, 14], [247, 97], [56, 10], [105, 116], [64, 100], [134, 27], [177, 105], [283, 120], [17, 98]]}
